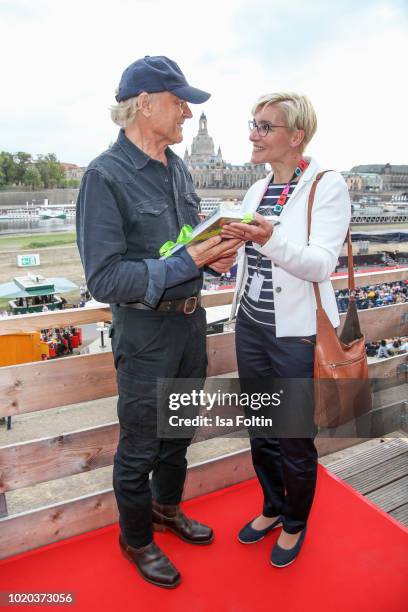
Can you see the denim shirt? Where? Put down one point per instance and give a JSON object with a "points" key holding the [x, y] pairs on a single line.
{"points": [[129, 205]]}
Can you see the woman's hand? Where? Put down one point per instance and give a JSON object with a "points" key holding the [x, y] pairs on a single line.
{"points": [[259, 232]]}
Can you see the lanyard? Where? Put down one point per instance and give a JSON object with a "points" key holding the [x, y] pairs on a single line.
{"points": [[282, 199]]}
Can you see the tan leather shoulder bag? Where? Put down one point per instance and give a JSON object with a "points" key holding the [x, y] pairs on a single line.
{"points": [[342, 389]]}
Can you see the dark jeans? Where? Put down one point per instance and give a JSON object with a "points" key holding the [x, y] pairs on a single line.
{"points": [[281, 464], [147, 346]]}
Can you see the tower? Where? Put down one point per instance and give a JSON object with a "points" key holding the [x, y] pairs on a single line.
{"points": [[202, 147]]}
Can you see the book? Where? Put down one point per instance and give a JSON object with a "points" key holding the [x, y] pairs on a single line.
{"points": [[212, 225]]}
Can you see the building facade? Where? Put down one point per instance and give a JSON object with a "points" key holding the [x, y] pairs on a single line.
{"points": [[394, 177], [210, 171], [73, 172], [363, 181]]}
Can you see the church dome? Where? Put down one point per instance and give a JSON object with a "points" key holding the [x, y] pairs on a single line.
{"points": [[203, 145]]}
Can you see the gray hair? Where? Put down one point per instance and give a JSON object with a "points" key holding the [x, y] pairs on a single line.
{"points": [[299, 112], [124, 113]]}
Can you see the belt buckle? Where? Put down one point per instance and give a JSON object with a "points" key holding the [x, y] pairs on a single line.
{"points": [[191, 300]]}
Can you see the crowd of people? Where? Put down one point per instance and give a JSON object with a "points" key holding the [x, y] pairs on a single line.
{"points": [[387, 348], [35, 300], [374, 296], [61, 340]]}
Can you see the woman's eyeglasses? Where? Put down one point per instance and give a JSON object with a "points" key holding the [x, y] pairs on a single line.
{"points": [[263, 129]]}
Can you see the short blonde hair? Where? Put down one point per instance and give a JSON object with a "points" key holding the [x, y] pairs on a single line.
{"points": [[124, 113], [299, 112]]}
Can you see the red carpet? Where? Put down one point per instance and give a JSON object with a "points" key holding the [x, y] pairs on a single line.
{"points": [[354, 559]]}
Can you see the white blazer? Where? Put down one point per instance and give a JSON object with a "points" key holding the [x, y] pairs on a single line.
{"points": [[295, 263]]}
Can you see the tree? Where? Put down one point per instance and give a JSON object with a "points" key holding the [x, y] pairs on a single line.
{"points": [[18, 169], [32, 177], [51, 171], [22, 161], [8, 168], [72, 183]]}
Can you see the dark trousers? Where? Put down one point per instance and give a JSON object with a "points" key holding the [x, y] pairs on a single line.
{"points": [[147, 346], [286, 467]]}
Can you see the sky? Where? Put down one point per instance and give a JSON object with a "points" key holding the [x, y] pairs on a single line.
{"points": [[61, 62]]}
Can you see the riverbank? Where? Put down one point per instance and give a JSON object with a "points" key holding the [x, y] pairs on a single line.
{"points": [[23, 242]]}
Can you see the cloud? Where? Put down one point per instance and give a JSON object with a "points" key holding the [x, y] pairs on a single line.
{"points": [[62, 62]]}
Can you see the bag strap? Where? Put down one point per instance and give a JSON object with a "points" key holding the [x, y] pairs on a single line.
{"points": [[350, 266]]}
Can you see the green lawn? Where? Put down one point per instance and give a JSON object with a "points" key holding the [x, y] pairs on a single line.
{"points": [[36, 241]]}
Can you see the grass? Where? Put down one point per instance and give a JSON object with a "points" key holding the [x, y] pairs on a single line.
{"points": [[36, 241]]}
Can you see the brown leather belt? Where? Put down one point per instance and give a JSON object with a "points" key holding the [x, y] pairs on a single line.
{"points": [[187, 306]]}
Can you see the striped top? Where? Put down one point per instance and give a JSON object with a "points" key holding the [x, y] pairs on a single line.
{"points": [[263, 311]]}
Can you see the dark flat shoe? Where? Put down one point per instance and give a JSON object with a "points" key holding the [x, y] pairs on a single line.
{"points": [[281, 557], [249, 535]]}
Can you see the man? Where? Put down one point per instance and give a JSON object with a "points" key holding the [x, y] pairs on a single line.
{"points": [[133, 198]]}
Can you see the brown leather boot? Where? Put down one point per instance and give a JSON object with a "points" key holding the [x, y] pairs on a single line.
{"points": [[152, 564], [174, 519]]}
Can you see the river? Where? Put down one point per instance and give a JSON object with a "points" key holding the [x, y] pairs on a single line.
{"points": [[36, 226]]}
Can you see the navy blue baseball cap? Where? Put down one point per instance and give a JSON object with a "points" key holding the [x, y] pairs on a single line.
{"points": [[154, 74]]}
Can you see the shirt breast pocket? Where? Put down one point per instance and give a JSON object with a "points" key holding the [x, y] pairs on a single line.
{"points": [[151, 219]]}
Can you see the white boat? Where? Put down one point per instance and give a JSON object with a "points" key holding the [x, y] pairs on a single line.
{"points": [[51, 213], [18, 214]]}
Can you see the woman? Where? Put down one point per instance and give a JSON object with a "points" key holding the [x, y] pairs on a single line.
{"points": [[276, 321]]}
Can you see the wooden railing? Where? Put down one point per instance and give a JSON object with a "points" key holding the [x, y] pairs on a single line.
{"points": [[26, 388]]}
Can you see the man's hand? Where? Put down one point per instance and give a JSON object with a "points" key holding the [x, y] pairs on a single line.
{"points": [[213, 250], [259, 233], [223, 265]]}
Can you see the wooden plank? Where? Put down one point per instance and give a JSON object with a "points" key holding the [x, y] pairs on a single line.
{"points": [[383, 322], [372, 278], [376, 323], [214, 474], [380, 475], [389, 417], [28, 387], [92, 314], [29, 463], [60, 382], [49, 524], [392, 396], [57, 318], [49, 384], [391, 496], [30, 530], [221, 297], [221, 354], [363, 460], [3, 505], [386, 369], [401, 514]]}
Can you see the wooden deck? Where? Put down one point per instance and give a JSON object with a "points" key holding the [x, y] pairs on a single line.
{"points": [[379, 470], [80, 448]]}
